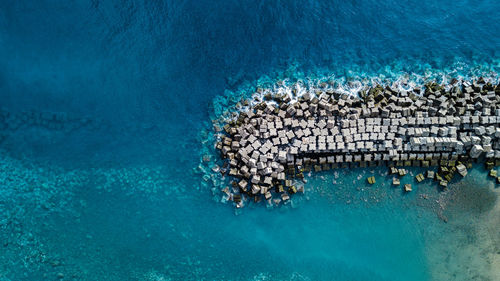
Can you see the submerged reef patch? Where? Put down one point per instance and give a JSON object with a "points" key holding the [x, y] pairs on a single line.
{"points": [[280, 133]]}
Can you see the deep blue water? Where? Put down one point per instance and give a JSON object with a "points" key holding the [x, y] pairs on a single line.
{"points": [[115, 196]]}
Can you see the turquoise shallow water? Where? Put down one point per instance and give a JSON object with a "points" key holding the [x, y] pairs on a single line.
{"points": [[109, 188], [342, 229]]}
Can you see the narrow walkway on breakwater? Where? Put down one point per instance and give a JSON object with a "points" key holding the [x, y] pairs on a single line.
{"points": [[278, 139]]}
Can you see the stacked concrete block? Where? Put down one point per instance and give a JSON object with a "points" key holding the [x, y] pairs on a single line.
{"points": [[275, 141]]}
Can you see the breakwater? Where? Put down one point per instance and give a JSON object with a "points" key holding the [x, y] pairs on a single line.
{"points": [[278, 137]]}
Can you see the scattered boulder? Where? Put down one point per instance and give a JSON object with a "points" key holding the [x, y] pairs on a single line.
{"points": [[420, 177], [371, 180], [461, 169]]}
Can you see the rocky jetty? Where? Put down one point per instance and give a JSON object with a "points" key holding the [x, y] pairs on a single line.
{"points": [[273, 142]]}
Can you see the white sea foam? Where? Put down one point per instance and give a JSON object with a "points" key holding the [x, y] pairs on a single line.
{"points": [[295, 84]]}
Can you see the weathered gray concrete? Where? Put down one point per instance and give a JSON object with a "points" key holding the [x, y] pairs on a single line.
{"points": [[278, 139]]}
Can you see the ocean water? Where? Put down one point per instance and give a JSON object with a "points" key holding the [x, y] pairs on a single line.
{"points": [[106, 110]]}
